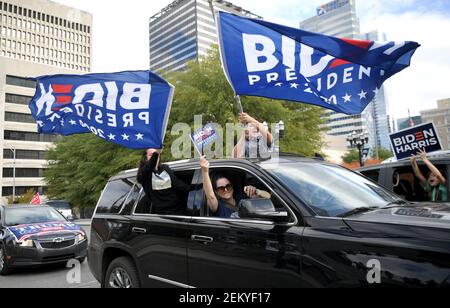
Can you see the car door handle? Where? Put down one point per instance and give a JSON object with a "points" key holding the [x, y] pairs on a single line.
{"points": [[139, 230], [202, 239]]}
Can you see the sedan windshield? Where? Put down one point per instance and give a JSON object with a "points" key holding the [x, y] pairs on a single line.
{"points": [[28, 215], [332, 191]]}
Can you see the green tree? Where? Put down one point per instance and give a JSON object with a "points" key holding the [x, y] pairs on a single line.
{"points": [[80, 165], [351, 156], [23, 199], [382, 154]]}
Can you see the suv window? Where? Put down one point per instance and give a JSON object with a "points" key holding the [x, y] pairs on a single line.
{"points": [[374, 175], [133, 196], [240, 179], [407, 185], [114, 196], [144, 204]]}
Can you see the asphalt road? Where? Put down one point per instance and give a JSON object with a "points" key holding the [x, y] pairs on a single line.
{"points": [[52, 277]]}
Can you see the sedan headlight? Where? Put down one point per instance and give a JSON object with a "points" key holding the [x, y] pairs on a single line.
{"points": [[81, 238], [26, 243]]}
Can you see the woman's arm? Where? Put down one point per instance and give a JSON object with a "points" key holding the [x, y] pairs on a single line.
{"points": [[423, 155], [264, 131], [416, 169], [253, 193], [211, 198], [148, 168]]}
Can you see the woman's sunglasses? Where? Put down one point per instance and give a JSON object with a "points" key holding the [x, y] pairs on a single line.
{"points": [[222, 189]]}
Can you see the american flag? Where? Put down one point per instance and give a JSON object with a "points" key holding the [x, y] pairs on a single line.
{"points": [[36, 199]]}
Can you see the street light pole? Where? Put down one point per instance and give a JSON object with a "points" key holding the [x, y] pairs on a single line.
{"points": [[358, 141], [361, 163], [13, 150]]}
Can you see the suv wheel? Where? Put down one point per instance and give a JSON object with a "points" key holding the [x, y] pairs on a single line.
{"points": [[4, 268], [122, 274]]}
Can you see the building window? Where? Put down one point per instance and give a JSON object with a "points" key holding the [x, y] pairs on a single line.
{"points": [[23, 173], [20, 190], [24, 154], [19, 117], [28, 136], [20, 81]]}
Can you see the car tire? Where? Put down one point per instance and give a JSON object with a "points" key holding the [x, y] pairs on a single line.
{"points": [[122, 273], [4, 268]]}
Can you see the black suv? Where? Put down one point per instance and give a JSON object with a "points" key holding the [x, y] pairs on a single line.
{"points": [[398, 176], [324, 226]]}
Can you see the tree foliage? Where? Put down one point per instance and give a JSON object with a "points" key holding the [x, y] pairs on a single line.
{"points": [[80, 165], [382, 154], [351, 156], [23, 199]]}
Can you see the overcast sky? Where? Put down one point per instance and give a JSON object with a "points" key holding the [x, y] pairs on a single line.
{"points": [[120, 38]]}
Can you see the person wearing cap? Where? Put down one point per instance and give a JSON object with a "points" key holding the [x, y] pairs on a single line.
{"points": [[164, 189]]}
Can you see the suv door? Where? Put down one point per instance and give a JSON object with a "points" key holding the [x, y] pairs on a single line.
{"points": [[238, 253], [160, 245]]}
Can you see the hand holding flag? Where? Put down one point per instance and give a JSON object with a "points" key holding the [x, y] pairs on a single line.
{"points": [[203, 137]]}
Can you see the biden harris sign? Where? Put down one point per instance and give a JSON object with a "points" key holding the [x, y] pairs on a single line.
{"points": [[409, 141], [127, 108], [269, 60]]}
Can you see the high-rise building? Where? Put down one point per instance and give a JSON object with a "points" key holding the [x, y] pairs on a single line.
{"points": [[378, 111], [338, 18], [38, 37], [184, 31], [42, 31], [441, 119]]}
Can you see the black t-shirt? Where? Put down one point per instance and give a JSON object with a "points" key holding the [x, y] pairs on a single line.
{"points": [[166, 192]]}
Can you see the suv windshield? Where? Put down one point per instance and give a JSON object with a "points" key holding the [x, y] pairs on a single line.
{"points": [[330, 190], [24, 216]]}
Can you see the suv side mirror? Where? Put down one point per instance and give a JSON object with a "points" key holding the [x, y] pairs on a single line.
{"points": [[260, 209], [71, 218]]}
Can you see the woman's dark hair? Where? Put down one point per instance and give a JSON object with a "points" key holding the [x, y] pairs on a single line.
{"points": [[216, 177]]}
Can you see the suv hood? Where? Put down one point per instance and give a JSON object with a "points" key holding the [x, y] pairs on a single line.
{"points": [[24, 232], [434, 215]]}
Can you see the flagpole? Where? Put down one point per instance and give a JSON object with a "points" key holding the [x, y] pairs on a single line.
{"points": [[238, 100], [237, 97]]}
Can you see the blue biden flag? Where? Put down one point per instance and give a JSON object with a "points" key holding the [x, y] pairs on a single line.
{"points": [[269, 60], [127, 108]]}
